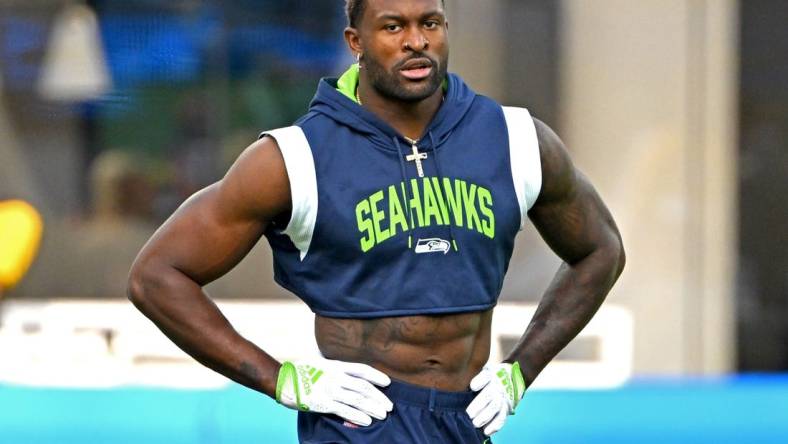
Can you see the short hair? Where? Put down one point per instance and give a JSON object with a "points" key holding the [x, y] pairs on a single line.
{"points": [[354, 9]]}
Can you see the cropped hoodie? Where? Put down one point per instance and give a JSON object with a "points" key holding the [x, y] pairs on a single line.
{"points": [[382, 225]]}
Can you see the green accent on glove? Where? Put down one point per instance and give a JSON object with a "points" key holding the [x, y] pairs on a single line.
{"points": [[289, 375], [286, 374], [519, 384]]}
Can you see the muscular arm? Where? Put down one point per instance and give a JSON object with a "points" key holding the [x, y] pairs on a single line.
{"points": [[578, 227], [207, 236]]}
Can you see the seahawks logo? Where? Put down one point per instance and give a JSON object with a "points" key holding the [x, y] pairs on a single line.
{"points": [[434, 245]]}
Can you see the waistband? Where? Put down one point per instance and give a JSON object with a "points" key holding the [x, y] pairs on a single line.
{"points": [[429, 398]]}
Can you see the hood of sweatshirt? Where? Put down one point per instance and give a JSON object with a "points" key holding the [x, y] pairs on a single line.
{"points": [[336, 105]]}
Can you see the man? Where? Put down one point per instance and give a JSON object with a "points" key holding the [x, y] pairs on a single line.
{"points": [[391, 208]]}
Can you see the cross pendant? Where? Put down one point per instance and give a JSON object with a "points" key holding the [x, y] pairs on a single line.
{"points": [[417, 157]]}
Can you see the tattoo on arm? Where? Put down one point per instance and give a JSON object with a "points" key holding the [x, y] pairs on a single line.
{"points": [[250, 372], [578, 227]]}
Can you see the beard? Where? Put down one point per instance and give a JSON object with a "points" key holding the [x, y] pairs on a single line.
{"points": [[392, 85]]}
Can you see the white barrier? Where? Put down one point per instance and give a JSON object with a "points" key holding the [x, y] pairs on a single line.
{"points": [[105, 344]]}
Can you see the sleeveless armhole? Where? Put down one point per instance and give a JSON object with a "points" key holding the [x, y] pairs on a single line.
{"points": [[524, 156], [300, 167]]}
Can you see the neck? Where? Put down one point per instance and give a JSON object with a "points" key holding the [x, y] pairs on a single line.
{"points": [[409, 118]]}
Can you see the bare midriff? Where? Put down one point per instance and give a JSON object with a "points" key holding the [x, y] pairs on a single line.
{"points": [[441, 351]]}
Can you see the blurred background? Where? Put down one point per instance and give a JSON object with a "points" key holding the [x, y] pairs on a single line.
{"points": [[112, 112]]}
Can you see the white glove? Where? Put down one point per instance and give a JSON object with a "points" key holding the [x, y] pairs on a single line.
{"points": [[502, 386], [336, 387]]}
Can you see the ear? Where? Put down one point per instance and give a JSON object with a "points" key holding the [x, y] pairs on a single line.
{"points": [[353, 40]]}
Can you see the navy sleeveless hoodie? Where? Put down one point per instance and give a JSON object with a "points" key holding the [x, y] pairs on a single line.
{"points": [[385, 226]]}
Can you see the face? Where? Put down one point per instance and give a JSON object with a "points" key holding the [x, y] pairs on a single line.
{"points": [[404, 46]]}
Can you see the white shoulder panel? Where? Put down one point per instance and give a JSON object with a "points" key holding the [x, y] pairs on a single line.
{"points": [[524, 155], [303, 184]]}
